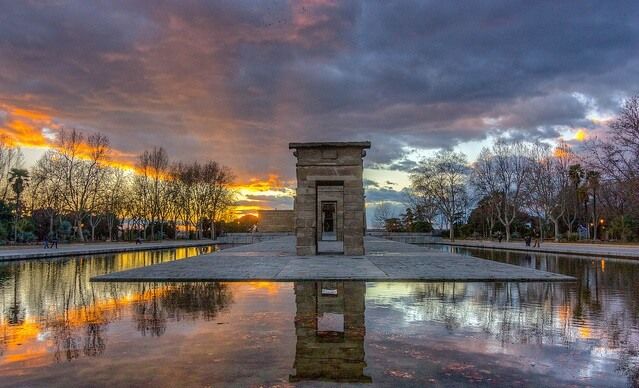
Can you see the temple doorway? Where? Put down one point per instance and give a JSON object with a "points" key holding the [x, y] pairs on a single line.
{"points": [[329, 228], [330, 214]]}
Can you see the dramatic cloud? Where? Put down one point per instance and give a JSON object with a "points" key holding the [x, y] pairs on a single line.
{"points": [[235, 81]]}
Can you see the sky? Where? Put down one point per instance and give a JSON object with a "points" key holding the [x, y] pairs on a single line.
{"points": [[236, 81]]}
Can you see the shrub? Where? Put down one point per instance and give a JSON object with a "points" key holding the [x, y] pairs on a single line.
{"points": [[65, 229], [27, 237], [3, 231]]}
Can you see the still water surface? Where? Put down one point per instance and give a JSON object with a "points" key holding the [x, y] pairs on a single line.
{"points": [[58, 329]]}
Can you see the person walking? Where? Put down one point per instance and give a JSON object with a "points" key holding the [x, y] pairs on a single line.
{"points": [[500, 236], [46, 242], [537, 239], [54, 242]]}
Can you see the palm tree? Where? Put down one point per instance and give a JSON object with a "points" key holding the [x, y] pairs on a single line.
{"points": [[19, 179], [576, 174], [593, 182]]}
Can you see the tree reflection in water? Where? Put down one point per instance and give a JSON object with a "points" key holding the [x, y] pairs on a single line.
{"points": [[158, 303], [84, 327], [57, 299], [598, 314]]}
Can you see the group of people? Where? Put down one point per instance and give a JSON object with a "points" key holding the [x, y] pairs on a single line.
{"points": [[528, 239], [50, 244], [537, 237]]}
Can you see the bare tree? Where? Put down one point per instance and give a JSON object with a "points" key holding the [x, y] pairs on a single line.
{"points": [[117, 193], [616, 159], [549, 179], [78, 165], [150, 187], [10, 157], [424, 207], [159, 163], [220, 194], [383, 212], [624, 153], [443, 178], [500, 173], [183, 187], [45, 193], [200, 194], [202, 191]]}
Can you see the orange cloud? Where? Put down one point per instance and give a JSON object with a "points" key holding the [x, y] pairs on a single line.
{"points": [[273, 182], [255, 194], [33, 128], [24, 127], [30, 114], [36, 128]]}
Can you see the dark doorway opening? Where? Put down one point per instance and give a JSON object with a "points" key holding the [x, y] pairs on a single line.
{"points": [[329, 230]]}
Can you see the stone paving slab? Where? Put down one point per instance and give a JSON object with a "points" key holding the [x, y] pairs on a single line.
{"points": [[327, 267], [387, 261], [66, 250]]}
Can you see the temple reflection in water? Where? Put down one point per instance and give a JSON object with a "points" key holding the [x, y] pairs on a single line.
{"points": [[330, 329]]}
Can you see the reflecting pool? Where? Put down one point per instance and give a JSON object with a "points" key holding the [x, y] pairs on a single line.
{"points": [[57, 328]]}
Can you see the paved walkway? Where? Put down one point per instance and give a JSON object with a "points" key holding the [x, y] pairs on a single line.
{"points": [[385, 261], [65, 250], [581, 249]]}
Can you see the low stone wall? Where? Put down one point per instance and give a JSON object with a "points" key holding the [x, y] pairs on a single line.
{"points": [[408, 238], [276, 221], [248, 238]]}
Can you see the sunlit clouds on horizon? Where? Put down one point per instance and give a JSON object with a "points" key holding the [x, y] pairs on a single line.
{"points": [[235, 82]]}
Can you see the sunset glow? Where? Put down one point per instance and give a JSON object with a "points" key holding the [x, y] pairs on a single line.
{"points": [[581, 135], [24, 127], [36, 129]]}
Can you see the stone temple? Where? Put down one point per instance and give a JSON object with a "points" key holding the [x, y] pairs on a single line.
{"points": [[330, 216]]}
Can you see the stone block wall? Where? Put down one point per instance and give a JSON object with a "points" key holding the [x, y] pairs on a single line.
{"points": [[276, 221]]}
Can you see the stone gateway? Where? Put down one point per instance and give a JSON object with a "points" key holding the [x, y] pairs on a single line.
{"points": [[329, 203]]}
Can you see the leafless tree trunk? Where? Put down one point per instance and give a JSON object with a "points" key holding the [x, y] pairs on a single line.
{"points": [[383, 212], [443, 178], [501, 172]]}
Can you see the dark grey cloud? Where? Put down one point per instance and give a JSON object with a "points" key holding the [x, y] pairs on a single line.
{"points": [[386, 194], [369, 183], [237, 80]]}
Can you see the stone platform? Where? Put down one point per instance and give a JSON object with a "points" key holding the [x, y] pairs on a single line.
{"points": [[385, 261]]}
